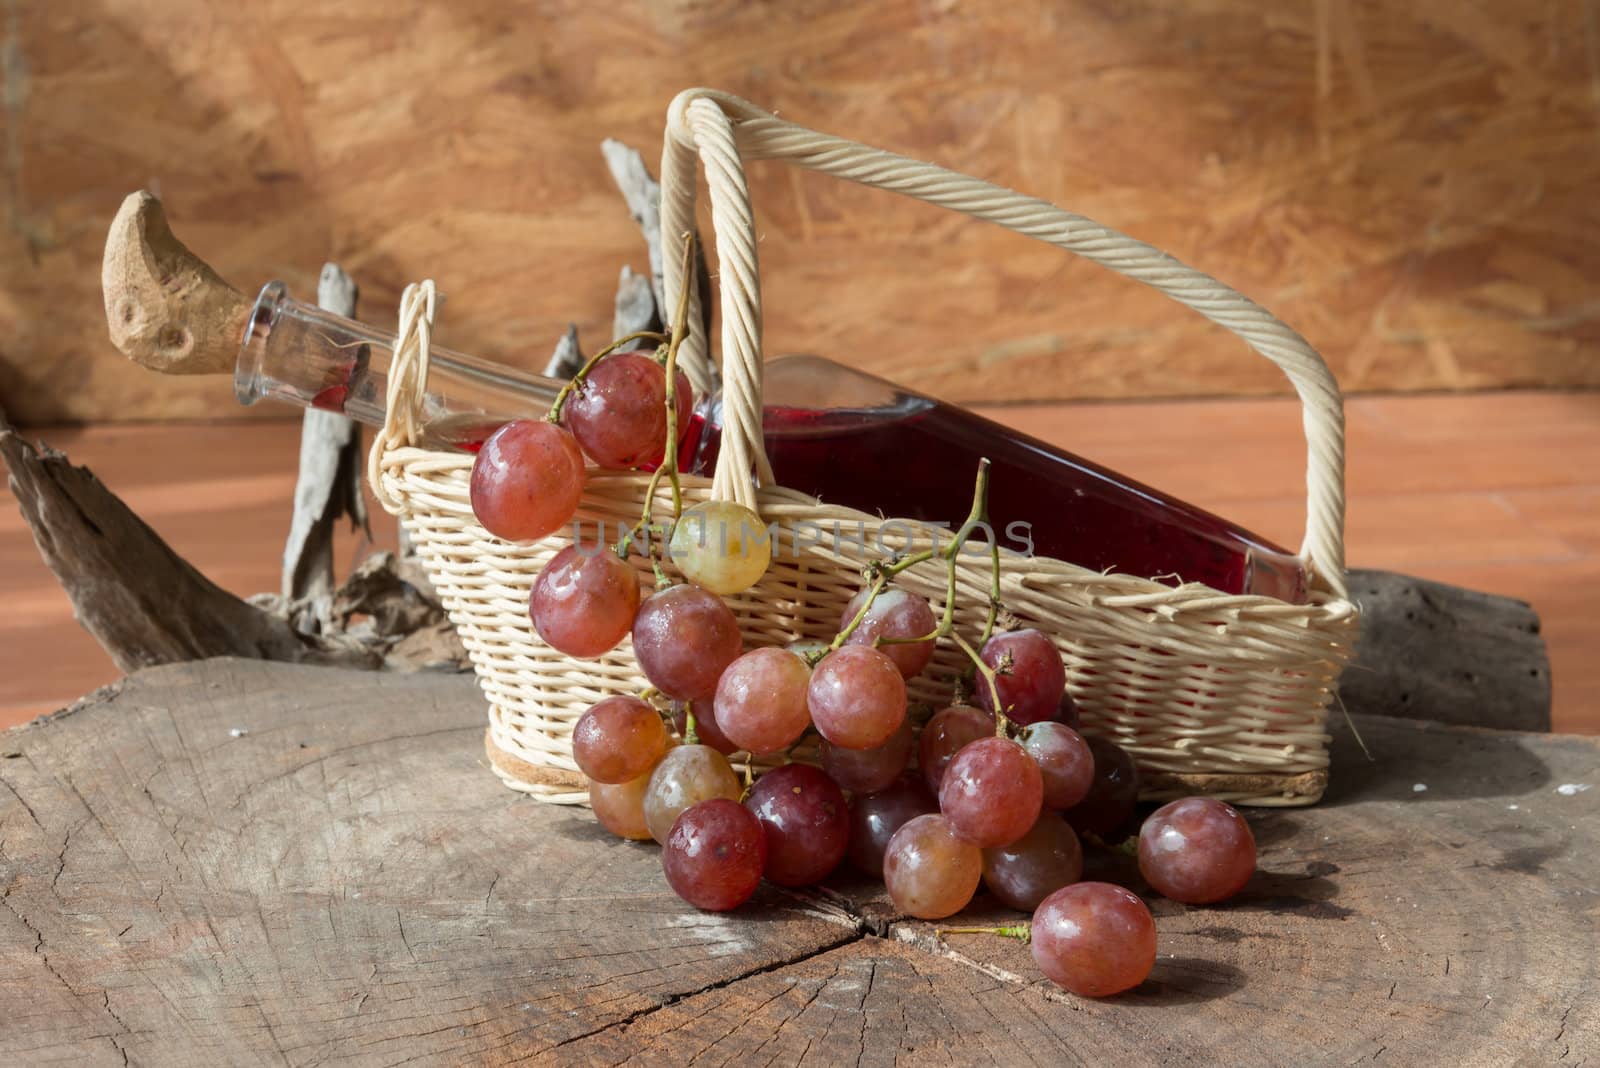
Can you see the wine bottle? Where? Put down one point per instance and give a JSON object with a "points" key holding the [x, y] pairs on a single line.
{"points": [[845, 437]]}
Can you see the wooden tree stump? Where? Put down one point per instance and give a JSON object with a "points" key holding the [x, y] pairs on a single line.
{"points": [[237, 862]]}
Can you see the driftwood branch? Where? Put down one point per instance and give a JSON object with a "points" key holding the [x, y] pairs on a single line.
{"points": [[142, 602], [635, 307], [643, 195], [391, 603], [567, 357], [328, 488]]}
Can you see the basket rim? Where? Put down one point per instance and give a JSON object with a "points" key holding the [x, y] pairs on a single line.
{"points": [[1111, 590]]}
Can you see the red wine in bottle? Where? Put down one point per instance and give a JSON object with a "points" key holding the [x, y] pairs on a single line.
{"points": [[851, 439]]}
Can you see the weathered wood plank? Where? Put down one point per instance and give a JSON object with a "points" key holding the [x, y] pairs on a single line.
{"points": [[339, 881], [1438, 652], [1456, 925], [236, 862]]}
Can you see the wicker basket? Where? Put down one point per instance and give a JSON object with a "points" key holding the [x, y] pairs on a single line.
{"points": [[1212, 693]]}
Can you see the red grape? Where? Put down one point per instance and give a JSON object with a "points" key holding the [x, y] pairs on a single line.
{"points": [[684, 637], [527, 480], [618, 740], [619, 413], [894, 614], [861, 771], [875, 817], [806, 821], [945, 735], [1032, 686], [707, 730], [857, 697], [1067, 712], [761, 700], [714, 854], [620, 807], [1094, 939], [1036, 865], [1106, 811], [686, 776], [992, 792], [584, 600], [1197, 851], [1065, 760], [929, 872]]}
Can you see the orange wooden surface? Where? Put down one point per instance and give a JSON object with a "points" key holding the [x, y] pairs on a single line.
{"points": [[1499, 492], [1410, 183]]}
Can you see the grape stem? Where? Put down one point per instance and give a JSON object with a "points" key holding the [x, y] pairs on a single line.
{"points": [[1022, 932], [575, 383], [881, 574], [978, 516], [690, 736], [669, 453]]}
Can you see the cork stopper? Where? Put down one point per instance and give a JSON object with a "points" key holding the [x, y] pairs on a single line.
{"points": [[165, 307]]}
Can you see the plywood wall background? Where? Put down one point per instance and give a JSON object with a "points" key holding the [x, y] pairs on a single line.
{"points": [[1411, 183]]}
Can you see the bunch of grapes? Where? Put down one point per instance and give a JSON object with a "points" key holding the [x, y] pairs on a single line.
{"points": [[720, 834], [1000, 791], [935, 817], [624, 410]]}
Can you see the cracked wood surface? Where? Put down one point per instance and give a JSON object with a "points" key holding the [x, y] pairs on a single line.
{"points": [[249, 863]]}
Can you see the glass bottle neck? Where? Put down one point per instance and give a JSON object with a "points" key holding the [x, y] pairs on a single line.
{"points": [[304, 355]]}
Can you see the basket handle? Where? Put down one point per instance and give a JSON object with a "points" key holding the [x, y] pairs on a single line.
{"points": [[724, 130]]}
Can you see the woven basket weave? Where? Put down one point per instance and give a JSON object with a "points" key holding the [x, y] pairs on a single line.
{"points": [[1212, 693]]}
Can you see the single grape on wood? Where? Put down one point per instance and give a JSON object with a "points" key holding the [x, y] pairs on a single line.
{"points": [[1197, 850], [1094, 939]]}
